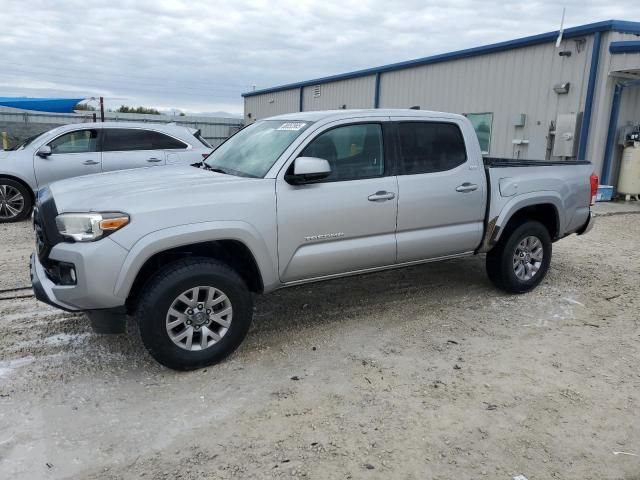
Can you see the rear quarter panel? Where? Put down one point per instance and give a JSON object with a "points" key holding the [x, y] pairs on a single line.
{"points": [[567, 188]]}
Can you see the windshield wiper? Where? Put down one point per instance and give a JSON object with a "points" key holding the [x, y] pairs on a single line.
{"points": [[204, 165]]}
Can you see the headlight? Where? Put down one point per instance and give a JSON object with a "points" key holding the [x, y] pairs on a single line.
{"points": [[88, 227]]}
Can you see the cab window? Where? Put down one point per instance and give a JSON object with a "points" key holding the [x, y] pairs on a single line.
{"points": [[353, 151], [79, 141]]}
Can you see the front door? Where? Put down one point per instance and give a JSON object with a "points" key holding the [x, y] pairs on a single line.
{"points": [[345, 223], [125, 148], [441, 205], [72, 154]]}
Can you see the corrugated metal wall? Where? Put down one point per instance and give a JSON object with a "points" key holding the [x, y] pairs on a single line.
{"points": [[603, 98], [353, 93], [270, 104], [504, 83]]}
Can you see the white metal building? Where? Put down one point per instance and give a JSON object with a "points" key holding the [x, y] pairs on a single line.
{"points": [[526, 98]]}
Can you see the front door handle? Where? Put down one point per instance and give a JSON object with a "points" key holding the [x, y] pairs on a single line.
{"points": [[466, 187], [90, 162], [381, 196], [153, 160]]}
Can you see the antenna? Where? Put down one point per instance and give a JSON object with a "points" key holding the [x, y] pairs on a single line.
{"points": [[564, 9]]}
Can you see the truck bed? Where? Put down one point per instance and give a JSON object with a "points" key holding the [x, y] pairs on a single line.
{"points": [[497, 162]]}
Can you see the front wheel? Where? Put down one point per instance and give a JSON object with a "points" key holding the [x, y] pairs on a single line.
{"points": [[15, 201], [521, 259], [194, 313]]}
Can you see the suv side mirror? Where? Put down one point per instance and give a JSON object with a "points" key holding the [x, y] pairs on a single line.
{"points": [[308, 170], [44, 151]]}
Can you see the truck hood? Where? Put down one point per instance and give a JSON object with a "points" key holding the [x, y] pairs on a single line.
{"points": [[144, 189], [5, 154]]}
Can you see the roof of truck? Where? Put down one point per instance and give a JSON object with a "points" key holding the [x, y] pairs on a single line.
{"points": [[371, 112]]}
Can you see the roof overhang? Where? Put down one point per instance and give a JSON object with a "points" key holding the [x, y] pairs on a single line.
{"points": [[573, 32]]}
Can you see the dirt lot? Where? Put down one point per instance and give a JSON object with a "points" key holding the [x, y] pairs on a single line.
{"points": [[422, 373]]}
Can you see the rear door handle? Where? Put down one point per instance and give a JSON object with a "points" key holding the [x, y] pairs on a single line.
{"points": [[381, 196], [90, 162], [153, 160], [466, 187]]}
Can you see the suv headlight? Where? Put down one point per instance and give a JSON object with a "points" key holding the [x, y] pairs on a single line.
{"points": [[88, 227]]}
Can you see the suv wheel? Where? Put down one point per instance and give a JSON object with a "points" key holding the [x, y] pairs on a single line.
{"points": [[194, 313], [15, 201], [521, 259]]}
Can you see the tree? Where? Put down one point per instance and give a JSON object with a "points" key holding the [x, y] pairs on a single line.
{"points": [[127, 109], [85, 107]]}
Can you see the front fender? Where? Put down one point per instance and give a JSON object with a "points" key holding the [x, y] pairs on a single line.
{"points": [[168, 238]]}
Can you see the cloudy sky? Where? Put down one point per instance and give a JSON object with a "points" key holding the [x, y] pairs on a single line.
{"points": [[200, 56]]}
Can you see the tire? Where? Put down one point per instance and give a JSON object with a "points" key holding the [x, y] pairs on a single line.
{"points": [[162, 300], [521, 259], [15, 201]]}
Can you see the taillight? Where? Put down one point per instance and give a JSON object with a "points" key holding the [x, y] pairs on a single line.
{"points": [[593, 179]]}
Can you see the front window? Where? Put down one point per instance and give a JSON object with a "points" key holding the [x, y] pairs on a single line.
{"points": [[81, 141], [253, 150], [353, 151]]}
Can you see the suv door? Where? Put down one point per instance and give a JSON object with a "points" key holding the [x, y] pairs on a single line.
{"points": [[441, 198], [72, 154], [125, 148], [345, 223]]}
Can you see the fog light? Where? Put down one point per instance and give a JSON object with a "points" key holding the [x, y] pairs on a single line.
{"points": [[72, 274]]}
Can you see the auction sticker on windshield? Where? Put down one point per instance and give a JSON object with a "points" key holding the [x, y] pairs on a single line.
{"points": [[292, 126]]}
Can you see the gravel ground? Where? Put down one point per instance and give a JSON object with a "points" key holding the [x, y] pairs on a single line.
{"points": [[426, 372]]}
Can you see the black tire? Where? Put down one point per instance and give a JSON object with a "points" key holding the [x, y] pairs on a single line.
{"points": [[166, 286], [500, 260], [25, 206]]}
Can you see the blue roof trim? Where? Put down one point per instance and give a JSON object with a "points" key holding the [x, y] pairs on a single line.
{"points": [[608, 25], [625, 47]]}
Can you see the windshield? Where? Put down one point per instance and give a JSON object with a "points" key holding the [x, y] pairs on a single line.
{"points": [[253, 150], [27, 142]]}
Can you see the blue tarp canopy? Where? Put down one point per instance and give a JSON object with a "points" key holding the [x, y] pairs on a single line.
{"points": [[57, 105]]}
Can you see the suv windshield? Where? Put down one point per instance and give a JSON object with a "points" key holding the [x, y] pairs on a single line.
{"points": [[253, 150]]}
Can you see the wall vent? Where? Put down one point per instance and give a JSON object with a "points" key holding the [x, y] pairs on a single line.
{"points": [[316, 91]]}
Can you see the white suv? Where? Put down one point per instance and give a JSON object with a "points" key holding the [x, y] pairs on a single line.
{"points": [[86, 148]]}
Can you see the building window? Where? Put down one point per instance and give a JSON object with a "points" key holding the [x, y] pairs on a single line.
{"points": [[316, 91], [482, 123]]}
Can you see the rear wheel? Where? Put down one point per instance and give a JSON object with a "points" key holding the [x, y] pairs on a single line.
{"points": [[194, 313], [15, 201], [521, 259]]}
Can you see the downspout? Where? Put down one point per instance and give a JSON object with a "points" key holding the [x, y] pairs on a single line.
{"points": [[301, 104], [376, 93], [588, 104], [613, 127]]}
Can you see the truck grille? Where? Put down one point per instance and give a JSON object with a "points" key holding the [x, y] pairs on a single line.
{"points": [[44, 225]]}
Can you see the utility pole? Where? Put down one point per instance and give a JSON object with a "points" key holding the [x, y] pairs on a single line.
{"points": [[102, 109]]}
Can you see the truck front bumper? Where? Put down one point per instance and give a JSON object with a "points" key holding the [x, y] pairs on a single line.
{"points": [[587, 226], [96, 265], [43, 287]]}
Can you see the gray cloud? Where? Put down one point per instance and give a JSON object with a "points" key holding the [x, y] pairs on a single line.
{"points": [[199, 56]]}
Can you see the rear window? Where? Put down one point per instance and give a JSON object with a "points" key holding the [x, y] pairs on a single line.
{"points": [[427, 147], [127, 139]]}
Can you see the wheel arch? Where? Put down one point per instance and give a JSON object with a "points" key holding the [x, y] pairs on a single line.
{"points": [[235, 243], [544, 209]]}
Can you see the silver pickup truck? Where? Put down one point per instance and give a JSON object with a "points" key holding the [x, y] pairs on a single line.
{"points": [[292, 199]]}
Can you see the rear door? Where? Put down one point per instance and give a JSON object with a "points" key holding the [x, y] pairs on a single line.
{"points": [[73, 154], [441, 192], [345, 223], [125, 148]]}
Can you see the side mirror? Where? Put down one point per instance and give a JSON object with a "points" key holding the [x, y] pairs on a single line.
{"points": [[308, 170], [44, 151]]}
